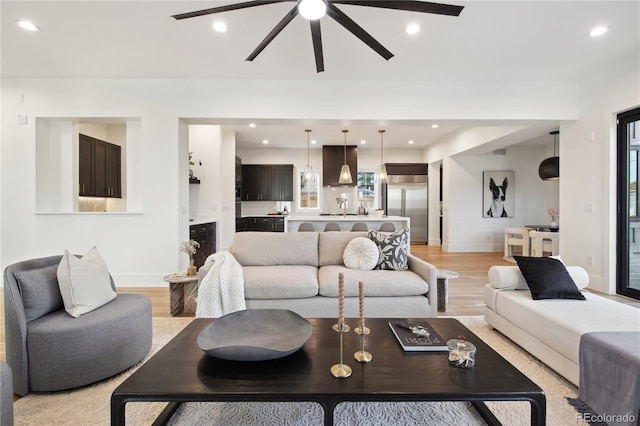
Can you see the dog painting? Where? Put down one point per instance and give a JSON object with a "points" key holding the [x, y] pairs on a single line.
{"points": [[498, 194]]}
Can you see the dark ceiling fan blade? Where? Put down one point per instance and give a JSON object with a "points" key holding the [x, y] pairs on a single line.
{"points": [[274, 32], [411, 6], [226, 8], [316, 36], [358, 31]]}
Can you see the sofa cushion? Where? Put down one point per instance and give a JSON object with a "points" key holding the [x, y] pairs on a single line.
{"points": [[547, 278], [331, 246], [510, 277], [40, 291], [376, 282], [393, 249], [280, 282], [275, 248], [85, 283], [361, 254]]}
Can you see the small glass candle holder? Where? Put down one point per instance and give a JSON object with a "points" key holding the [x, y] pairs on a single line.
{"points": [[462, 354]]}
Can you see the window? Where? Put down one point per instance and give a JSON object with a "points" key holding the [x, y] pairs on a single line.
{"points": [[308, 192], [366, 189]]}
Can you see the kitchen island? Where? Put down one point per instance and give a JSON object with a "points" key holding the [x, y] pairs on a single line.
{"points": [[291, 223]]}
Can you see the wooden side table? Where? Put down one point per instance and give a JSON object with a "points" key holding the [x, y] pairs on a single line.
{"points": [[183, 293], [444, 275]]}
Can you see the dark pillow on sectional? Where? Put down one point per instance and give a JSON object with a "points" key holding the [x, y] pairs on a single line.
{"points": [[548, 278], [40, 291], [393, 249]]}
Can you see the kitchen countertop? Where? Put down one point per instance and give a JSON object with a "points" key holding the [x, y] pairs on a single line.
{"points": [[201, 220], [348, 218]]}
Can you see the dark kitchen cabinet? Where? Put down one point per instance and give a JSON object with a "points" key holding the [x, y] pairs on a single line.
{"points": [[100, 165], [205, 235], [332, 161], [262, 224], [262, 182]]}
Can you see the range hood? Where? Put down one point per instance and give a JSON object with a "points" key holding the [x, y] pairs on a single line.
{"points": [[332, 161]]}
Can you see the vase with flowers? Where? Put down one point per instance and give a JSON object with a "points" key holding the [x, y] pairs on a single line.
{"points": [[190, 247], [554, 213]]}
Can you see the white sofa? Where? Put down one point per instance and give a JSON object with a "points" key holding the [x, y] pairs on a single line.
{"points": [[551, 329], [299, 271]]}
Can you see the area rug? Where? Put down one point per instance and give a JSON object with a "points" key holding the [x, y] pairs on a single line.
{"points": [[91, 405]]}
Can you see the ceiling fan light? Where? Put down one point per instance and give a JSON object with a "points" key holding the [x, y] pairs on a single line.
{"points": [[312, 9], [345, 175]]}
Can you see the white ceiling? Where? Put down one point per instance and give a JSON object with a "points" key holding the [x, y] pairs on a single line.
{"points": [[489, 41]]}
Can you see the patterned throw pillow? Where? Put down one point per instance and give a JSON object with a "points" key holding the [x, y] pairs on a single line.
{"points": [[392, 248]]}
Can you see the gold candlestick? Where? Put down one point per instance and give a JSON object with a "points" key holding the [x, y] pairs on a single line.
{"points": [[361, 329], [341, 371]]}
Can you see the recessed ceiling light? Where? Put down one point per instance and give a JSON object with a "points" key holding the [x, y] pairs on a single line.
{"points": [[435, 126], [413, 29], [29, 26], [598, 31], [265, 142], [313, 142], [363, 142], [220, 26], [410, 142], [252, 125]]}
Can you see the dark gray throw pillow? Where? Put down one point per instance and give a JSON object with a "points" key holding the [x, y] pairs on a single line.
{"points": [[393, 249], [548, 278], [40, 291]]}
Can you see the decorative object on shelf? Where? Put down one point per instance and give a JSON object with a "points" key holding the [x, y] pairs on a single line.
{"points": [[255, 335], [308, 176], [498, 194], [550, 167], [462, 354], [381, 173], [554, 213], [190, 247], [361, 329], [345, 171], [191, 163], [341, 370]]}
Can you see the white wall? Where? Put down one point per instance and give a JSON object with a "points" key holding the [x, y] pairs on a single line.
{"points": [[140, 248]]}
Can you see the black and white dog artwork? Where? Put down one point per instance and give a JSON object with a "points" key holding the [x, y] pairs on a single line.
{"points": [[498, 198]]}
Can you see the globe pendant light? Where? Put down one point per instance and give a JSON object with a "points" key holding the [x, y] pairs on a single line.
{"points": [[550, 168], [345, 171], [308, 176], [381, 173], [312, 9]]}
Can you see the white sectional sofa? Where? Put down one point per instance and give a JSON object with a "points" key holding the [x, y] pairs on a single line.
{"points": [[551, 329], [299, 271]]}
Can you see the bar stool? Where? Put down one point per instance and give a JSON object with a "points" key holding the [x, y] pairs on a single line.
{"points": [[306, 227], [359, 226], [387, 227], [544, 242], [331, 226], [516, 237]]}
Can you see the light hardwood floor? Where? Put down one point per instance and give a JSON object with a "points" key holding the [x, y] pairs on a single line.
{"points": [[465, 292]]}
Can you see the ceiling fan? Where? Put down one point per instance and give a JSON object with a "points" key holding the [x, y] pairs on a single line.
{"points": [[313, 10]]}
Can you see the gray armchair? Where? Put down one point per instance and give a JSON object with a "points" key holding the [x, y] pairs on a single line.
{"points": [[6, 395], [48, 350]]}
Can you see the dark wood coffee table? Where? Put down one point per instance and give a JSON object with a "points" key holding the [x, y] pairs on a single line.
{"points": [[182, 372]]}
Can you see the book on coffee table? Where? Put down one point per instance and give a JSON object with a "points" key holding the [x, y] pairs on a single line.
{"points": [[417, 336]]}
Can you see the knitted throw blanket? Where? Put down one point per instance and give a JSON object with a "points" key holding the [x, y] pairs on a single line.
{"points": [[222, 288]]}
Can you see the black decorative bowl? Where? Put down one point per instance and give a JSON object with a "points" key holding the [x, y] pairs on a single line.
{"points": [[255, 335]]}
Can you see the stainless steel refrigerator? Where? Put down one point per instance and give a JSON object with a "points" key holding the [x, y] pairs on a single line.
{"points": [[408, 196]]}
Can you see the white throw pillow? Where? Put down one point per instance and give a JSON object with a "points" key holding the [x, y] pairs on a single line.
{"points": [[84, 283], [361, 253]]}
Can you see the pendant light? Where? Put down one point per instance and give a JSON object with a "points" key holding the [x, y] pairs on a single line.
{"points": [[345, 171], [312, 9], [381, 173], [550, 168], [308, 176]]}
